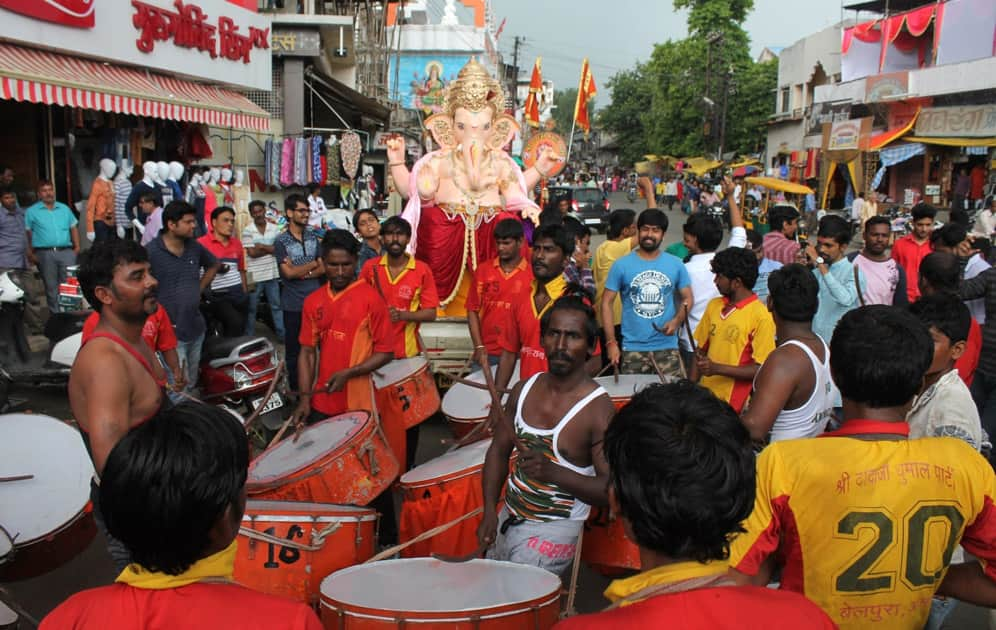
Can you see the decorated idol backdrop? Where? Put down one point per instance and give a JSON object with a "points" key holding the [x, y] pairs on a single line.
{"points": [[422, 79]]}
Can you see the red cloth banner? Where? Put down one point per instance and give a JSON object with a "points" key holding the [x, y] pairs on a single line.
{"points": [[586, 91], [532, 115]]}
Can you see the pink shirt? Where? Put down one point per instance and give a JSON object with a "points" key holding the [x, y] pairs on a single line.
{"points": [[880, 279]]}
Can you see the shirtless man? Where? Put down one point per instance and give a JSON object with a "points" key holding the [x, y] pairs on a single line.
{"points": [[560, 471], [116, 382], [792, 390]]}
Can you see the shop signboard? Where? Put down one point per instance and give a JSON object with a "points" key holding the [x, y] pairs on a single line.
{"points": [[296, 42], [972, 121], [210, 40], [827, 113], [845, 135], [884, 87]]}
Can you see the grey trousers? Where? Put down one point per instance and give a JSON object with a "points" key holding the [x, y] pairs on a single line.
{"points": [[52, 263]]}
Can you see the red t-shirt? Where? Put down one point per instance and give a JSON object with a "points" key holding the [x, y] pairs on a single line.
{"points": [[909, 253], [347, 328], [745, 607], [491, 296], [969, 359], [231, 254], [157, 331], [413, 290], [198, 606]]}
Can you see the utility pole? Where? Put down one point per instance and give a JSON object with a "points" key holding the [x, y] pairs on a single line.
{"points": [[515, 72]]}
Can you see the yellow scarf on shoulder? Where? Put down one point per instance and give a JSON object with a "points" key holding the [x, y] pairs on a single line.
{"points": [[216, 567]]}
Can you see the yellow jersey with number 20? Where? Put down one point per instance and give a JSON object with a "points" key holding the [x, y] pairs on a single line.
{"points": [[865, 528]]}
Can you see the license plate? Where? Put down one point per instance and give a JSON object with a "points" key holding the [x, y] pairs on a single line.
{"points": [[592, 221], [275, 402]]}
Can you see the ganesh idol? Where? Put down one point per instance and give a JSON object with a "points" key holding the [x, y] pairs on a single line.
{"points": [[458, 193]]}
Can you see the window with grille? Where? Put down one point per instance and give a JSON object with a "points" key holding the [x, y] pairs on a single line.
{"points": [[273, 100]]}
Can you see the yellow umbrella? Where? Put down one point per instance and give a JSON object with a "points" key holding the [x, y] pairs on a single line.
{"points": [[773, 183]]}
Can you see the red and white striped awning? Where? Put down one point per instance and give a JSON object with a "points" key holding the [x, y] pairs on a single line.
{"points": [[39, 76]]}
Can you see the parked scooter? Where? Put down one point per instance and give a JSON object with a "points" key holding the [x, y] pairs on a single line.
{"points": [[18, 364]]}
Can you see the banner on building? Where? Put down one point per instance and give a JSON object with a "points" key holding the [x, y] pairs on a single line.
{"points": [[971, 121]]}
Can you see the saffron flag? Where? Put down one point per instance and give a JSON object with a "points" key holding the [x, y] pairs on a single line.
{"points": [[586, 91], [501, 27], [532, 115]]}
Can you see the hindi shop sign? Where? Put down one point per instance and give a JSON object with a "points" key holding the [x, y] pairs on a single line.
{"points": [[972, 121], [210, 40]]}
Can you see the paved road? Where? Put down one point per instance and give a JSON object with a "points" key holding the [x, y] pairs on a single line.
{"points": [[93, 567]]}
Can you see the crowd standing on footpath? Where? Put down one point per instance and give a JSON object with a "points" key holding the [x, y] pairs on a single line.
{"points": [[815, 399]]}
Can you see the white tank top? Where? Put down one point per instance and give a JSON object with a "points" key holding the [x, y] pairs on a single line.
{"points": [[534, 500], [811, 418]]}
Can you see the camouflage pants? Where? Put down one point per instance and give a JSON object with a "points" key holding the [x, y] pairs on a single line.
{"points": [[669, 362]]}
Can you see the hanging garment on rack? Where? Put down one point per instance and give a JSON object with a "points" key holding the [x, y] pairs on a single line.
{"points": [[267, 161], [317, 174], [332, 159], [287, 162], [301, 162], [275, 160], [210, 203], [351, 150], [174, 187], [166, 193], [322, 170]]}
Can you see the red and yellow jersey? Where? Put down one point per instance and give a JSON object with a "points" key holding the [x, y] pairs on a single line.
{"points": [[197, 605], [521, 333], [865, 528], [346, 328], [413, 290], [735, 334], [491, 296], [157, 332]]}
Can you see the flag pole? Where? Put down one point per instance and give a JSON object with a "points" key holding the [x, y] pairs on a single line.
{"points": [[570, 143]]}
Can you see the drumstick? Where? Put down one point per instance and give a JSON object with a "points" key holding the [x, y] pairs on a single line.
{"points": [[16, 478], [469, 383], [688, 330], [266, 398], [496, 404], [390, 551]]}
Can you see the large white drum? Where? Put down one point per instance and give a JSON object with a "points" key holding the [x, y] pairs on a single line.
{"points": [[628, 384], [466, 406], [430, 593], [47, 515]]}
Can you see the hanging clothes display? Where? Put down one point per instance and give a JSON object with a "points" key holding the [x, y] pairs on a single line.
{"points": [[317, 173], [332, 161], [267, 162], [287, 162], [122, 189], [301, 162], [351, 150]]}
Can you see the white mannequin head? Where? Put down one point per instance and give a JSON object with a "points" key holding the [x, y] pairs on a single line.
{"points": [[107, 168], [240, 177], [226, 175], [149, 172], [213, 175], [195, 179], [162, 171], [126, 169], [175, 171]]}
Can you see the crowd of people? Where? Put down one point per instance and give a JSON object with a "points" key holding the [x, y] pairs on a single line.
{"points": [[713, 473]]}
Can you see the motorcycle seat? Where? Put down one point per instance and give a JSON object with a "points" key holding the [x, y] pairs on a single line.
{"points": [[218, 347]]}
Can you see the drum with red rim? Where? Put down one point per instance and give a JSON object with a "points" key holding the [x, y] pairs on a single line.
{"points": [[466, 406], [605, 546], [622, 391], [47, 517], [286, 548], [430, 594], [344, 459], [439, 491], [405, 391]]}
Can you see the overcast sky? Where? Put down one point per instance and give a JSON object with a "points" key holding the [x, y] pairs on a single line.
{"points": [[615, 35]]}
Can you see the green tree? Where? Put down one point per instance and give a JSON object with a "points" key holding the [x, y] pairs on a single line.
{"points": [[563, 110], [752, 102], [632, 95]]}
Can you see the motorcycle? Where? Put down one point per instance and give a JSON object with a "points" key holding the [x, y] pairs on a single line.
{"points": [[631, 192], [719, 213], [18, 363]]}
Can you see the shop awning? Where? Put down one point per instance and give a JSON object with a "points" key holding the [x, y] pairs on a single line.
{"points": [[954, 142], [772, 183], [880, 140], [38, 76]]}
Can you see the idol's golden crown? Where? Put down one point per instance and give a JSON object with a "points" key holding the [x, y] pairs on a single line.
{"points": [[474, 89]]}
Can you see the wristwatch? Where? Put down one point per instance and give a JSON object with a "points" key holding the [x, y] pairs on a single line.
{"points": [[820, 261]]}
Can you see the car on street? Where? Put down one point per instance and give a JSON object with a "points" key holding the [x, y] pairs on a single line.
{"points": [[591, 205]]}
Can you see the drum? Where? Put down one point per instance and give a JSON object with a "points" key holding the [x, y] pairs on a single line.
{"points": [[435, 595], [286, 548], [628, 384], [404, 390], [465, 406], [6, 545], [605, 546], [344, 459], [439, 491], [48, 517]]}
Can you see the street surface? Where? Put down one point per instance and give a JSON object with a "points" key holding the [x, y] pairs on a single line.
{"points": [[93, 567]]}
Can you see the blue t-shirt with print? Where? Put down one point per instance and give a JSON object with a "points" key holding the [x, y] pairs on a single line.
{"points": [[647, 292]]}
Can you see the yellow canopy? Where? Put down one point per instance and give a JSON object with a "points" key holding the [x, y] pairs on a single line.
{"points": [[954, 142], [781, 185], [700, 165], [745, 162]]}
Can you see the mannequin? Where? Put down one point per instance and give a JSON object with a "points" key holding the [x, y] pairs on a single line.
{"points": [[173, 179], [211, 194], [226, 186], [100, 204], [122, 190], [147, 185], [162, 172], [242, 196], [195, 197]]}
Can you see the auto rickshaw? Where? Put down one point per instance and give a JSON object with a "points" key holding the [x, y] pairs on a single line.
{"points": [[757, 217]]}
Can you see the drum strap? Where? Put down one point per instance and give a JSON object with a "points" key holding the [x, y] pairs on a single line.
{"points": [[671, 588]]}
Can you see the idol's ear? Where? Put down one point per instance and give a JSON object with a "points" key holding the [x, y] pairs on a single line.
{"points": [[502, 131], [441, 128]]}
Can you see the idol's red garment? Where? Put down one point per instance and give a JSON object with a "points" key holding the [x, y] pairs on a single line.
{"points": [[444, 246], [198, 606]]}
